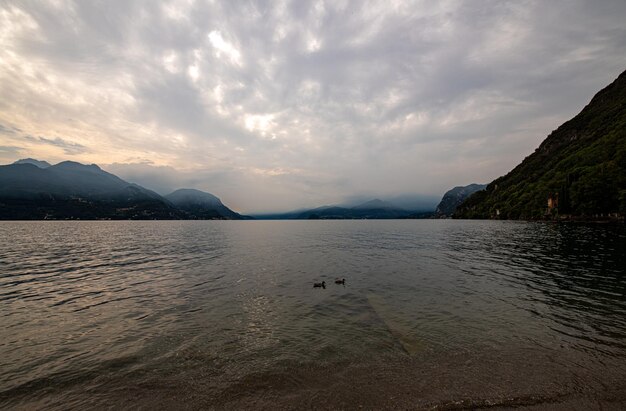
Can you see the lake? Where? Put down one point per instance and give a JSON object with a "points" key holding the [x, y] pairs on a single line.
{"points": [[434, 314]]}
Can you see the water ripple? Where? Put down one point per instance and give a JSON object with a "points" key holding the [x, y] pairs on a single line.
{"points": [[85, 305]]}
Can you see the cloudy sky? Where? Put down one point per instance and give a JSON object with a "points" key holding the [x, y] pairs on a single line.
{"points": [[274, 105]]}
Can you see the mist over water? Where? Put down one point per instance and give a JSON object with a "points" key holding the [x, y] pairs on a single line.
{"points": [[433, 313]]}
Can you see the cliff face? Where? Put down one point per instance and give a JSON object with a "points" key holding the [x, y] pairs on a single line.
{"points": [[455, 197], [582, 163]]}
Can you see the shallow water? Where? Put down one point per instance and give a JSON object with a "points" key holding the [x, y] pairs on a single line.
{"points": [[192, 314]]}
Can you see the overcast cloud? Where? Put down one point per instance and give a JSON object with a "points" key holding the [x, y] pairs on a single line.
{"points": [[274, 105]]}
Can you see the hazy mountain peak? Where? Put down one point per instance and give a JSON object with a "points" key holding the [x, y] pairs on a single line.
{"points": [[191, 195], [201, 204], [76, 165], [374, 204], [35, 162]]}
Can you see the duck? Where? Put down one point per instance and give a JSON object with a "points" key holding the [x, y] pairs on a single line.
{"points": [[320, 285], [342, 281]]}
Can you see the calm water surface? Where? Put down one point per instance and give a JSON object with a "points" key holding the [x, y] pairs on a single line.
{"points": [[222, 314]]}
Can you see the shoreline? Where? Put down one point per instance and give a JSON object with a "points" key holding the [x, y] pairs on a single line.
{"points": [[428, 381]]}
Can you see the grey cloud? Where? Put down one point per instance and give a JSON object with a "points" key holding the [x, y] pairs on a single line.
{"points": [[9, 154], [69, 147], [10, 150], [9, 130]]}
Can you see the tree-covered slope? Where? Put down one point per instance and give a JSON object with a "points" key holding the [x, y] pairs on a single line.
{"points": [[200, 205], [581, 167], [71, 190]]}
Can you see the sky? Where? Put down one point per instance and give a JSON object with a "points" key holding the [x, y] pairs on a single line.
{"points": [[277, 105]]}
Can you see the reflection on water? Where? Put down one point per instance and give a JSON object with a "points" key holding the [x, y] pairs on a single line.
{"points": [[197, 314]]}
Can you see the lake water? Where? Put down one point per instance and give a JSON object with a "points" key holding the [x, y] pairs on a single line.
{"points": [[434, 314]]}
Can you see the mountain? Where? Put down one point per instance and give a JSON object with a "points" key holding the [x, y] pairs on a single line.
{"points": [[373, 209], [201, 205], [414, 202], [578, 171], [68, 180], [71, 190], [374, 204], [453, 198], [38, 163]]}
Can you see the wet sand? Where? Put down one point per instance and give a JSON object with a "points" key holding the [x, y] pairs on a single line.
{"points": [[464, 381]]}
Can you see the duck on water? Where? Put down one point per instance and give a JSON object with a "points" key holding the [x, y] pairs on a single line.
{"points": [[320, 285], [323, 283]]}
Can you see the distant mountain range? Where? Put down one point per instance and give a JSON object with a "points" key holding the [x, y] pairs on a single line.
{"points": [[412, 202], [373, 209], [578, 171], [31, 189]]}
